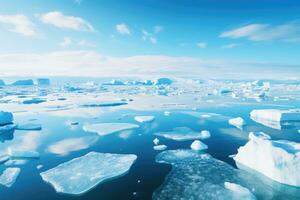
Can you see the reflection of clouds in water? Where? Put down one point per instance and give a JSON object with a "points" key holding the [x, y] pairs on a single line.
{"points": [[125, 134], [66, 146]]}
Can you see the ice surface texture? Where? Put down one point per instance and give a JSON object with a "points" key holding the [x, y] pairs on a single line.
{"points": [[9, 176], [81, 174], [278, 160], [103, 129], [183, 134]]}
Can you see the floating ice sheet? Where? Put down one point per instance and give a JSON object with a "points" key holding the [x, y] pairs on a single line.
{"points": [[29, 127], [183, 134], [237, 122], [9, 176], [103, 129], [81, 174], [143, 119]]}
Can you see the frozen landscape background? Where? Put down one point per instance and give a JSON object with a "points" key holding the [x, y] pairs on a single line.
{"points": [[149, 100]]}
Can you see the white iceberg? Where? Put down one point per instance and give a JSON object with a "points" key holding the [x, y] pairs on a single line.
{"points": [[160, 147], [6, 118], [103, 129], [198, 145], [183, 134], [81, 174], [29, 127], [239, 192], [156, 141], [237, 122], [278, 160], [143, 119], [9, 176], [3, 158]]}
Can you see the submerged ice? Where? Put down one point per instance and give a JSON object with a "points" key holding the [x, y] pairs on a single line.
{"points": [[81, 174], [9, 176]]}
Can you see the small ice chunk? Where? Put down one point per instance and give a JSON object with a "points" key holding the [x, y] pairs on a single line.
{"points": [[39, 166], [160, 147], [143, 119], [198, 145], [6, 118], [29, 127], [183, 134], [237, 122], [156, 141], [278, 160], [167, 113], [22, 154], [23, 82], [81, 174], [239, 191], [103, 129], [276, 115], [74, 123], [9, 176]]}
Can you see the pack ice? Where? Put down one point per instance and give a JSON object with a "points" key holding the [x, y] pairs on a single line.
{"points": [[196, 175], [278, 160], [103, 129], [183, 134], [9, 176], [81, 174]]}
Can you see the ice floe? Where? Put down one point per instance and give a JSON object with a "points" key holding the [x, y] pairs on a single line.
{"points": [[143, 119], [183, 134], [198, 145], [103, 129], [81, 174], [239, 192], [156, 141], [161, 147], [237, 122], [29, 127], [276, 159], [9, 176]]}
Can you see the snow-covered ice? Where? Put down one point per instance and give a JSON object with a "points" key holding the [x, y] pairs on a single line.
{"points": [[163, 81], [160, 147], [198, 145], [143, 119], [237, 122], [239, 191], [183, 134], [278, 160], [103, 129], [9, 176], [6, 118], [81, 174]]}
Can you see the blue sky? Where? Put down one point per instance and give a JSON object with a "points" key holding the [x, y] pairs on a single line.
{"points": [[96, 36]]}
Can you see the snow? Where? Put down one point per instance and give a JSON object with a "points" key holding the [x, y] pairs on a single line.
{"points": [[197, 175], [278, 160], [15, 153], [6, 118], [29, 127], [66, 146], [27, 82], [163, 81], [198, 145], [81, 174], [43, 81], [239, 191], [9, 176], [160, 147], [276, 115], [156, 141], [103, 129], [183, 134], [237, 122], [143, 119]]}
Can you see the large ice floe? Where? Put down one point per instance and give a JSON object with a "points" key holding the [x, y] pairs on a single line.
{"points": [[278, 160], [278, 119], [9, 176], [183, 134], [81, 174], [196, 175], [103, 129]]}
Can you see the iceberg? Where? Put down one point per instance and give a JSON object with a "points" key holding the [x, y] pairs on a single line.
{"points": [[183, 134], [6, 118], [198, 145], [81, 174], [237, 122], [156, 141], [43, 81], [9, 176], [27, 82], [278, 160], [160, 147], [29, 127], [103, 129], [197, 175], [143, 119]]}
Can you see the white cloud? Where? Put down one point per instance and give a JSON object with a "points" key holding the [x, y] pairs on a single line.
{"points": [[147, 36], [158, 29], [60, 20], [153, 40], [265, 32], [66, 42], [123, 29], [93, 64], [78, 1], [19, 24], [84, 43], [201, 45], [230, 46]]}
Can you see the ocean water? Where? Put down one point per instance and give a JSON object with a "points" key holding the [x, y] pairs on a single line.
{"points": [[146, 175]]}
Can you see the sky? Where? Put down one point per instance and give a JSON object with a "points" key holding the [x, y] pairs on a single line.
{"points": [[240, 39]]}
